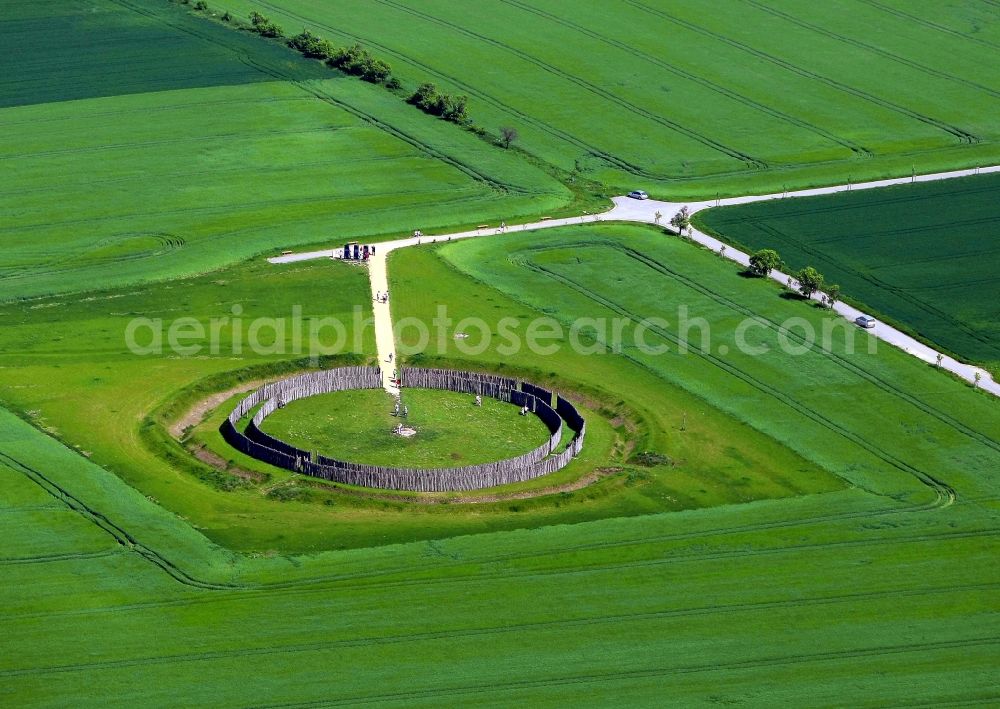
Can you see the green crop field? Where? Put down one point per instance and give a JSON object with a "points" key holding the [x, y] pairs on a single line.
{"points": [[451, 431], [120, 181], [697, 97], [757, 517], [883, 593], [922, 255]]}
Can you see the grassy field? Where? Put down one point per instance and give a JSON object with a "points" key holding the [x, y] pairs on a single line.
{"points": [[232, 148], [830, 402], [697, 98], [357, 426], [65, 367], [880, 594], [921, 255], [802, 526]]}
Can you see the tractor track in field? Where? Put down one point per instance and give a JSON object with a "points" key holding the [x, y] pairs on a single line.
{"points": [[889, 199], [881, 383], [944, 497], [587, 148], [961, 135], [703, 81], [187, 174], [119, 534], [69, 556], [763, 7], [750, 161], [494, 630], [599, 677], [940, 226], [309, 89], [480, 95], [164, 108], [210, 210], [945, 493], [216, 137], [844, 363], [388, 580], [907, 17]]}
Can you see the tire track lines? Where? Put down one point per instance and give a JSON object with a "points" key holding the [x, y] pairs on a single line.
{"points": [[885, 385], [70, 556], [120, 535], [491, 689], [750, 161], [956, 132], [945, 493], [703, 81], [494, 630], [871, 48], [927, 23], [146, 110], [215, 137], [911, 229], [891, 198], [310, 89], [480, 95]]}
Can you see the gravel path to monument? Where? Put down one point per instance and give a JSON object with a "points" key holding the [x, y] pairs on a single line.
{"points": [[645, 211]]}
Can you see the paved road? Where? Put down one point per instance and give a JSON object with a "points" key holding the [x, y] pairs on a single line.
{"points": [[631, 210]]}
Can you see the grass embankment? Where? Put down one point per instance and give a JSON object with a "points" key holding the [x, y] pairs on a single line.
{"points": [[922, 256], [642, 95]]}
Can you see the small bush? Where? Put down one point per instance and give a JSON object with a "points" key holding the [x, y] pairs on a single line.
{"points": [[201, 6], [263, 26], [649, 459], [288, 493], [311, 46], [358, 61], [451, 108]]}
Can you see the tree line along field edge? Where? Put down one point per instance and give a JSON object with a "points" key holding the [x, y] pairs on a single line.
{"points": [[464, 31], [918, 255], [185, 219]]}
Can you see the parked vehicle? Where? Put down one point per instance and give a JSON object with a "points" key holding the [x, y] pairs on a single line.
{"points": [[865, 322], [638, 194]]}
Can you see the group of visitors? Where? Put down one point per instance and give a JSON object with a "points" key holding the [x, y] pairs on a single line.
{"points": [[381, 297], [358, 252], [400, 413]]}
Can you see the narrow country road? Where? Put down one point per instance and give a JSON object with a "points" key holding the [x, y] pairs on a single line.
{"points": [[644, 211]]}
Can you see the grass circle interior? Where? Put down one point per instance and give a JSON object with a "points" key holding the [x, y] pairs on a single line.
{"points": [[448, 428], [339, 424]]}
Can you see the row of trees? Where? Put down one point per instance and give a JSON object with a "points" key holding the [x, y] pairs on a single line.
{"points": [[263, 26], [762, 262], [809, 280], [451, 108], [354, 60], [358, 61]]}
